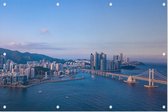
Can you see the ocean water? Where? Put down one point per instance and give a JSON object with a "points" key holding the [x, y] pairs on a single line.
{"points": [[92, 93]]}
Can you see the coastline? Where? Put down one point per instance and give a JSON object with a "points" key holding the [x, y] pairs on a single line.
{"points": [[42, 82]]}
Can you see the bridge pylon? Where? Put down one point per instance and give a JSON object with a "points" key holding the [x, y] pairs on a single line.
{"points": [[151, 73]]}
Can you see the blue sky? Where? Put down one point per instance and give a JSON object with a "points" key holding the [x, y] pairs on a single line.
{"points": [[78, 27]]}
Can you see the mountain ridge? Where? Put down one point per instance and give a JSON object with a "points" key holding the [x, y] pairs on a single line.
{"points": [[23, 57]]}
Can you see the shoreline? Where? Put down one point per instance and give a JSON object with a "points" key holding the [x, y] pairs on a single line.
{"points": [[42, 82]]}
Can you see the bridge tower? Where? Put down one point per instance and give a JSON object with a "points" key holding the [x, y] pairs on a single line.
{"points": [[151, 73]]}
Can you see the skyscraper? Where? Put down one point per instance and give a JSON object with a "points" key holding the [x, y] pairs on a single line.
{"points": [[117, 61], [96, 61], [2, 61], [121, 57], [116, 58], [59, 67], [91, 61], [109, 66], [103, 61]]}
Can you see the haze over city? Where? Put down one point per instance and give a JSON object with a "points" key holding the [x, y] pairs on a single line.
{"points": [[76, 28]]}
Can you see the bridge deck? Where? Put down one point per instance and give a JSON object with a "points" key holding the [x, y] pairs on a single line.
{"points": [[124, 75]]}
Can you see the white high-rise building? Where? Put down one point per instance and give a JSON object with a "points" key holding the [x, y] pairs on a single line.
{"points": [[52, 66], [27, 72], [32, 73], [59, 67]]}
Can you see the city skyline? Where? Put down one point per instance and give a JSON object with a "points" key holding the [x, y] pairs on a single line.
{"points": [[77, 28]]}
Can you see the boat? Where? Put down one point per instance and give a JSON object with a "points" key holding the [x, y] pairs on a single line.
{"points": [[66, 97], [39, 91]]}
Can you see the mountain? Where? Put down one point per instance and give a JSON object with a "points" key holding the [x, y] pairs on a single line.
{"points": [[22, 58]]}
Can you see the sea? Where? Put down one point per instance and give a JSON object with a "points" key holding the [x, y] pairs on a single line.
{"points": [[93, 93]]}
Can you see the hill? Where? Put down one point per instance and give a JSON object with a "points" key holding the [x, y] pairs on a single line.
{"points": [[22, 58]]}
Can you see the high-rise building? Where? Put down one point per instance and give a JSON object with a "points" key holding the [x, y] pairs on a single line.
{"points": [[116, 58], [52, 66], [32, 73], [2, 61], [27, 72], [91, 61], [117, 61], [121, 57], [97, 61], [11, 66], [115, 65], [103, 61], [59, 67], [108, 65], [128, 60]]}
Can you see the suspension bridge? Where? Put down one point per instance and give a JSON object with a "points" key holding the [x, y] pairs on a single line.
{"points": [[151, 76]]}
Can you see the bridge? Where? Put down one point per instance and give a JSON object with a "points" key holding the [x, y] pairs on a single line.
{"points": [[151, 76]]}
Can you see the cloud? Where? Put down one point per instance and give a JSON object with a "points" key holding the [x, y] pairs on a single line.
{"points": [[44, 31], [32, 46]]}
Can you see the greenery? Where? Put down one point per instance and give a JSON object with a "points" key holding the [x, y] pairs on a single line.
{"points": [[23, 58]]}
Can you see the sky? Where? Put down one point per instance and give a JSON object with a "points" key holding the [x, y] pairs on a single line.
{"points": [[76, 28]]}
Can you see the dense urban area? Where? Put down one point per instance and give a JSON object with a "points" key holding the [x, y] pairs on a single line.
{"points": [[33, 72]]}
